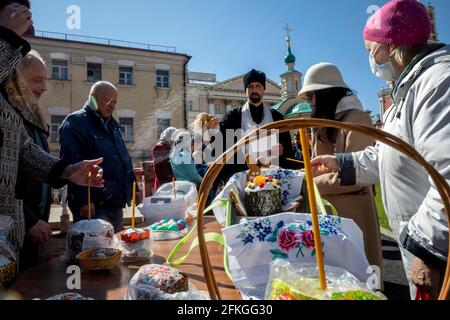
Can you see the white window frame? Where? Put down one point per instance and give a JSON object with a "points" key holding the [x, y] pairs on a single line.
{"points": [[163, 81], [55, 126], [94, 79], [161, 128], [128, 75], [60, 69], [127, 130]]}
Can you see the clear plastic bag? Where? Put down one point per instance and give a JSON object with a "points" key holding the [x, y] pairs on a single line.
{"points": [[8, 259], [290, 281], [169, 235], [157, 282], [89, 234], [164, 205], [137, 251], [68, 297], [172, 229]]}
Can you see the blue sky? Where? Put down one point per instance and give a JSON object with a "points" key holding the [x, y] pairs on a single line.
{"points": [[230, 37]]}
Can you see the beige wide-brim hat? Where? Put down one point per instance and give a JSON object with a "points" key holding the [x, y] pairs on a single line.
{"points": [[322, 76]]}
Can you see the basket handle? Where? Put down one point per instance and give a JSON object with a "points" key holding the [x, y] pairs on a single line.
{"points": [[292, 125]]}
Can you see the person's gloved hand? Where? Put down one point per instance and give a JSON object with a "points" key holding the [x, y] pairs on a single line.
{"points": [[426, 278]]}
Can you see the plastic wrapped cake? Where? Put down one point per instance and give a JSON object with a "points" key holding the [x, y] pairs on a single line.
{"points": [[88, 234], [69, 297], [157, 282], [262, 196], [136, 245]]}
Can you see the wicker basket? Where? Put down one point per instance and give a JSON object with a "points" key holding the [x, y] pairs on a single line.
{"points": [[7, 274], [295, 124], [88, 263]]}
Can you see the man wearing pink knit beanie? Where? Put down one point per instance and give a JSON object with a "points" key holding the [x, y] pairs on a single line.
{"points": [[396, 38]]}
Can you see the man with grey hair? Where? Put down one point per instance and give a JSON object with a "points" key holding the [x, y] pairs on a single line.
{"points": [[92, 132]]}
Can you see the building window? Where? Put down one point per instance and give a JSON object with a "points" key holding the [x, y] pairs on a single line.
{"points": [[94, 72], [127, 129], [215, 109], [55, 125], [161, 125], [126, 75], [162, 79], [191, 106], [60, 70]]}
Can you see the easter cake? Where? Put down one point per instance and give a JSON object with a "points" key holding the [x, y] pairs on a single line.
{"points": [[155, 282], [262, 196]]}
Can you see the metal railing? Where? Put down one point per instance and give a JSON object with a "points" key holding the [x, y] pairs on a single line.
{"points": [[103, 41]]}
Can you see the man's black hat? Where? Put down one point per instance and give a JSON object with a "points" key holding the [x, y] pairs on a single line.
{"points": [[255, 76]]}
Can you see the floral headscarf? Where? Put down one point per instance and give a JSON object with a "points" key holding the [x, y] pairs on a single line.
{"points": [[21, 97]]}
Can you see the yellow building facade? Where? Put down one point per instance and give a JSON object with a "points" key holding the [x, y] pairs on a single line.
{"points": [[150, 81]]}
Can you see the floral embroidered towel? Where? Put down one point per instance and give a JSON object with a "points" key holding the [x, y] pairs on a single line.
{"points": [[253, 245]]}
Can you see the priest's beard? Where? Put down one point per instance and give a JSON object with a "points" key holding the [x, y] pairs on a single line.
{"points": [[255, 98]]}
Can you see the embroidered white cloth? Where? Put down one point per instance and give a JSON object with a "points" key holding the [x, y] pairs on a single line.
{"points": [[291, 186], [253, 245]]}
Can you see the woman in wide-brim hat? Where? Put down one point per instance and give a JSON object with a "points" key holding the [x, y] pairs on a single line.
{"points": [[331, 98]]}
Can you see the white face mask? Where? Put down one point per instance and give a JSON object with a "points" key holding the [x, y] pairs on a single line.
{"points": [[384, 71]]}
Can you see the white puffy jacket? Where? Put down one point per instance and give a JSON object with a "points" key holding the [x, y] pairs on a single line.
{"points": [[421, 117]]}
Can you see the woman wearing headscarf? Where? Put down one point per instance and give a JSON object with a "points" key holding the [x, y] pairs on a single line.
{"points": [[24, 88], [331, 99], [203, 130], [161, 157], [396, 38], [181, 160]]}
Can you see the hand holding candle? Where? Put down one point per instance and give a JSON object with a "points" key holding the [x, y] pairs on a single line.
{"points": [[324, 164]]}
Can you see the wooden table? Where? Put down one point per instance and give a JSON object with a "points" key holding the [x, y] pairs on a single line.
{"points": [[51, 278]]}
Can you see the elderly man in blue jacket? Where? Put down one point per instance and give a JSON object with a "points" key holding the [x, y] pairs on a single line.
{"points": [[90, 133]]}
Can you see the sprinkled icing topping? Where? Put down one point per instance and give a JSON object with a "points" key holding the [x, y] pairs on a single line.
{"points": [[261, 183]]}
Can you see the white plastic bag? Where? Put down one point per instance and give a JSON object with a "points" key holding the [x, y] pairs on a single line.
{"points": [[156, 282], [253, 245], [164, 205], [89, 234]]}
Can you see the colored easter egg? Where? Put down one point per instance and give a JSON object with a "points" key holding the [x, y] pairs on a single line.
{"points": [[259, 180], [180, 226], [174, 228]]}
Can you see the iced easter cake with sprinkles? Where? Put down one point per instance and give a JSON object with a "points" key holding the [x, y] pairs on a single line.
{"points": [[263, 196]]}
